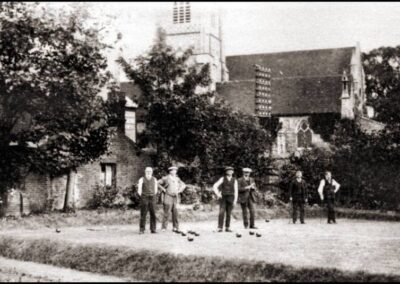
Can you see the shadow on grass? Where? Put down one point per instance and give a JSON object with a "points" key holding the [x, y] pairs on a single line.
{"points": [[153, 266]]}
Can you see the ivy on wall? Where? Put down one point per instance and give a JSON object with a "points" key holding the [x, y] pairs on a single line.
{"points": [[324, 124]]}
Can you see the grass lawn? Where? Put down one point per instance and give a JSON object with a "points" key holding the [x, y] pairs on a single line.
{"points": [[22, 271], [187, 214], [350, 246]]}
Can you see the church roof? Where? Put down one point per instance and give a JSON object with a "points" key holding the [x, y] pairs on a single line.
{"points": [[303, 82], [303, 63], [290, 96]]}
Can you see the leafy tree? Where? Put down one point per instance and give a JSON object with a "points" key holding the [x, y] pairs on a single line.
{"points": [[181, 123], [51, 117], [366, 166], [382, 70]]}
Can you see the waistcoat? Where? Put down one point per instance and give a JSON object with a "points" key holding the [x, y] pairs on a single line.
{"points": [[228, 187], [148, 186]]}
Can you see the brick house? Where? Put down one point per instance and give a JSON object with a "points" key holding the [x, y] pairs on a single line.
{"points": [[122, 167]]}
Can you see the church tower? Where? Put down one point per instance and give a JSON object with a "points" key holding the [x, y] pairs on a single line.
{"points": [[198, 25]]}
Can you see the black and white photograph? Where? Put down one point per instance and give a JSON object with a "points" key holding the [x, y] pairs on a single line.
{"points": [[199, 141]]}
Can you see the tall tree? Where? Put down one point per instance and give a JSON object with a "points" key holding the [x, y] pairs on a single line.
{"points": [[51, 117], [382, 70], [182, 124]]}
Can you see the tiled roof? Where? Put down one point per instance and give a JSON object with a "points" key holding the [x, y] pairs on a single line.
{"points": [[290, 96], [303, 82], [304, 63]]}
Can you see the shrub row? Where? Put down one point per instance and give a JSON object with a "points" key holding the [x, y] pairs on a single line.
{"points": [[152, 266]]}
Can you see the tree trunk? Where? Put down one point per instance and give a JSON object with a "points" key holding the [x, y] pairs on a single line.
{"points": [[69, 202]]}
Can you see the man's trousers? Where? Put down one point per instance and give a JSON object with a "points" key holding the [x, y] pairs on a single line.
{"points": [[248, 206], [330, 204], [170, 203], [298, 206], [147, 203], [225, 206]]}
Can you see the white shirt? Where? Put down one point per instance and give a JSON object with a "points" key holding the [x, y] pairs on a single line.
{"points": [[220, 181], [140, 186], [322, 185]]}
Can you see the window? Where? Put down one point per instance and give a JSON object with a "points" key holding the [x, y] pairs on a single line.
{"points": [[304, 135], [108, 173], [181, 13]]}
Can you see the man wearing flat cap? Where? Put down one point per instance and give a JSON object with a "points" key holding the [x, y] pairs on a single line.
{"points": [[246, 197], [171, 185], [226, 188]]}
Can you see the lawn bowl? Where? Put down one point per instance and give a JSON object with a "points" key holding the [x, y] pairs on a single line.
{"points": [[190, 239], [183, 234], [238, 235], [258, 235], [251, 232]]}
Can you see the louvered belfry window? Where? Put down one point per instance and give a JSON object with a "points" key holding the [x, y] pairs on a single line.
{"points": [[181, 13]]}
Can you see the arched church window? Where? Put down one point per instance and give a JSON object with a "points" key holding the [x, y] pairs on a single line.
{"points": [[304, 135]]}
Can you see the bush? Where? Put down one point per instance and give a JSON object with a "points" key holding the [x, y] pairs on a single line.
{"points": [[131, 196], [189, 195], [269, 199], [103, 197], [366, 166], [197, 194], [114, 197]]}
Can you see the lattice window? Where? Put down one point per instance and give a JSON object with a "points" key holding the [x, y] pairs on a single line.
{"points": [[304, 135]]}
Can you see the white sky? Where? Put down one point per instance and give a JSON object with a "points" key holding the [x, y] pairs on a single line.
{"points": [[255, 27]]}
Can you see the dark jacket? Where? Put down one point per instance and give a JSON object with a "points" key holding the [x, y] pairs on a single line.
{"points": [[244, 193], [298, 191]]}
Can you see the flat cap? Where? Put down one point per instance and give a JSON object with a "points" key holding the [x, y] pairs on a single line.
{"points": [[229, 169], [247, 170], [172, 168]]}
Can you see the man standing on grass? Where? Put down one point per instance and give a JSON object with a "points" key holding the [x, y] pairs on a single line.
{"points": [[226, 188], [171, 185], [147, 190], [298, 196], [246, 197], [327, 190]]}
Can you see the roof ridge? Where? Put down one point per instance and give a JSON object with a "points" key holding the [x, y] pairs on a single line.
{"points": [[280, 78], [293, 51]]}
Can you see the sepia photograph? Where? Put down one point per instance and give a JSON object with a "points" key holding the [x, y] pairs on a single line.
{"points": [[199, 141]]}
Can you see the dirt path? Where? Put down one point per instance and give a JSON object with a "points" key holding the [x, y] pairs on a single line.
{"points": [[16, 271]]}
